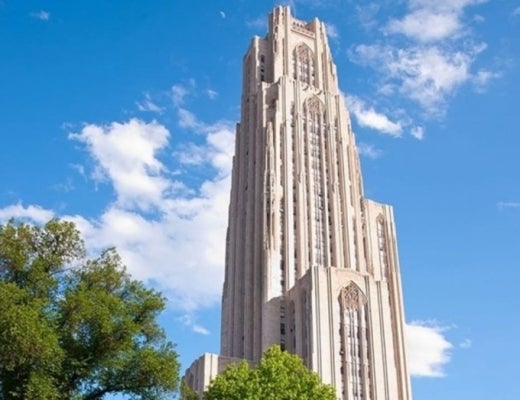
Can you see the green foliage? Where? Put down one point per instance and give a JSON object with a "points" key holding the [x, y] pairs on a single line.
{"points": [[72, 328], [278, 376], [186, 393]]}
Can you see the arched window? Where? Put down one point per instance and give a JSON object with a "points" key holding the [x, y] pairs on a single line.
{"points": [[303, 64], [354, 350]]}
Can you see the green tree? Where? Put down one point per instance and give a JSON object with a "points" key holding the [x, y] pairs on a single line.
{"points": [[278, 376], [186, 393], [73, 328]]}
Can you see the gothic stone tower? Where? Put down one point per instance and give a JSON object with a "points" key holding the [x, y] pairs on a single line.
{"points": [[311, 264]]}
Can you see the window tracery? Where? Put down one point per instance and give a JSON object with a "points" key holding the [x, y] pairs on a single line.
{"points": [[314, 127], [303, 64], [354, 351]]}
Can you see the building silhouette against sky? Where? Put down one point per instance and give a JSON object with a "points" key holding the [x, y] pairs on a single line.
{"points": [[311, 264]]}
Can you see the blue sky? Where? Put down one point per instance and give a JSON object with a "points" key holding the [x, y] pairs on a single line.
{"points": [[120, 116]]}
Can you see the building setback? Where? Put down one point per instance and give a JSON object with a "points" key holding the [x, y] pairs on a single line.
{"points": [[311, 264]]}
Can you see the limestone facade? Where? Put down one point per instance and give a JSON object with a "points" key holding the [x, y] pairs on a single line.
{"points": [[311, 264]]}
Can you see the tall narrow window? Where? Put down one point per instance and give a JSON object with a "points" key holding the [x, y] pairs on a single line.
{"points": [[314, 116], [292, 330], [354, 352], [295, 179], [303, 64], [305, 316], [382, 247]]}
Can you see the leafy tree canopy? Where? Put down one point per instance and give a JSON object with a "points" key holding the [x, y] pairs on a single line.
{"points": [[186, 393], [76, 328], [278, 376]]}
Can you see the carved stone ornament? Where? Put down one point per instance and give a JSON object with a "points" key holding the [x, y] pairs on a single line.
{"points": [[303, 52], [313, 105], [352, 297]]}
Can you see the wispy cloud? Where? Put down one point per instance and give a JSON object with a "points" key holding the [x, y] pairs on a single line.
{"points": [[428, 53], [502, 205], [429, 21], [188, 120], [426, 26], [367, 15], [332, 30], [427, 75], [428, 349], [369, 150], [516, 12], [189, 321], [212, 94], [417, 132], [66, 186], [222, 14], [466, 344], [259, 23], [367, 117], [178, 93], [148, 105], [482, 78], [41, 15], [200, 330]]}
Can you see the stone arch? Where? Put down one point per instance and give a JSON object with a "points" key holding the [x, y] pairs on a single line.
{"points": [[304, 64], [313, 105], [351, 296], [354, 350]]}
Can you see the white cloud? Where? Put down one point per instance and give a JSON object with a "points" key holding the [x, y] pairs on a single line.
{"points": [[425, 26], [258, 23], [188, 120], [516, 12], [66, 186], [191, 154], [443, 5], [368, 150], [427, 75], [508, 204], [189, 321], [183, 235], [222, 14], [366, 14], [178, 92], [427, 349], [367, 117], [332, 30], [41, 15], [80, 169], [435, 60], [201, 330], [125, 154], [466, 344], [212, 94], [32, 213], [482, 78], [417, 132], [429, 21], [148, 105]]}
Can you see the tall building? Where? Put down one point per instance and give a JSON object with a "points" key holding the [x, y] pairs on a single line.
{"points": [[311, 264]]}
